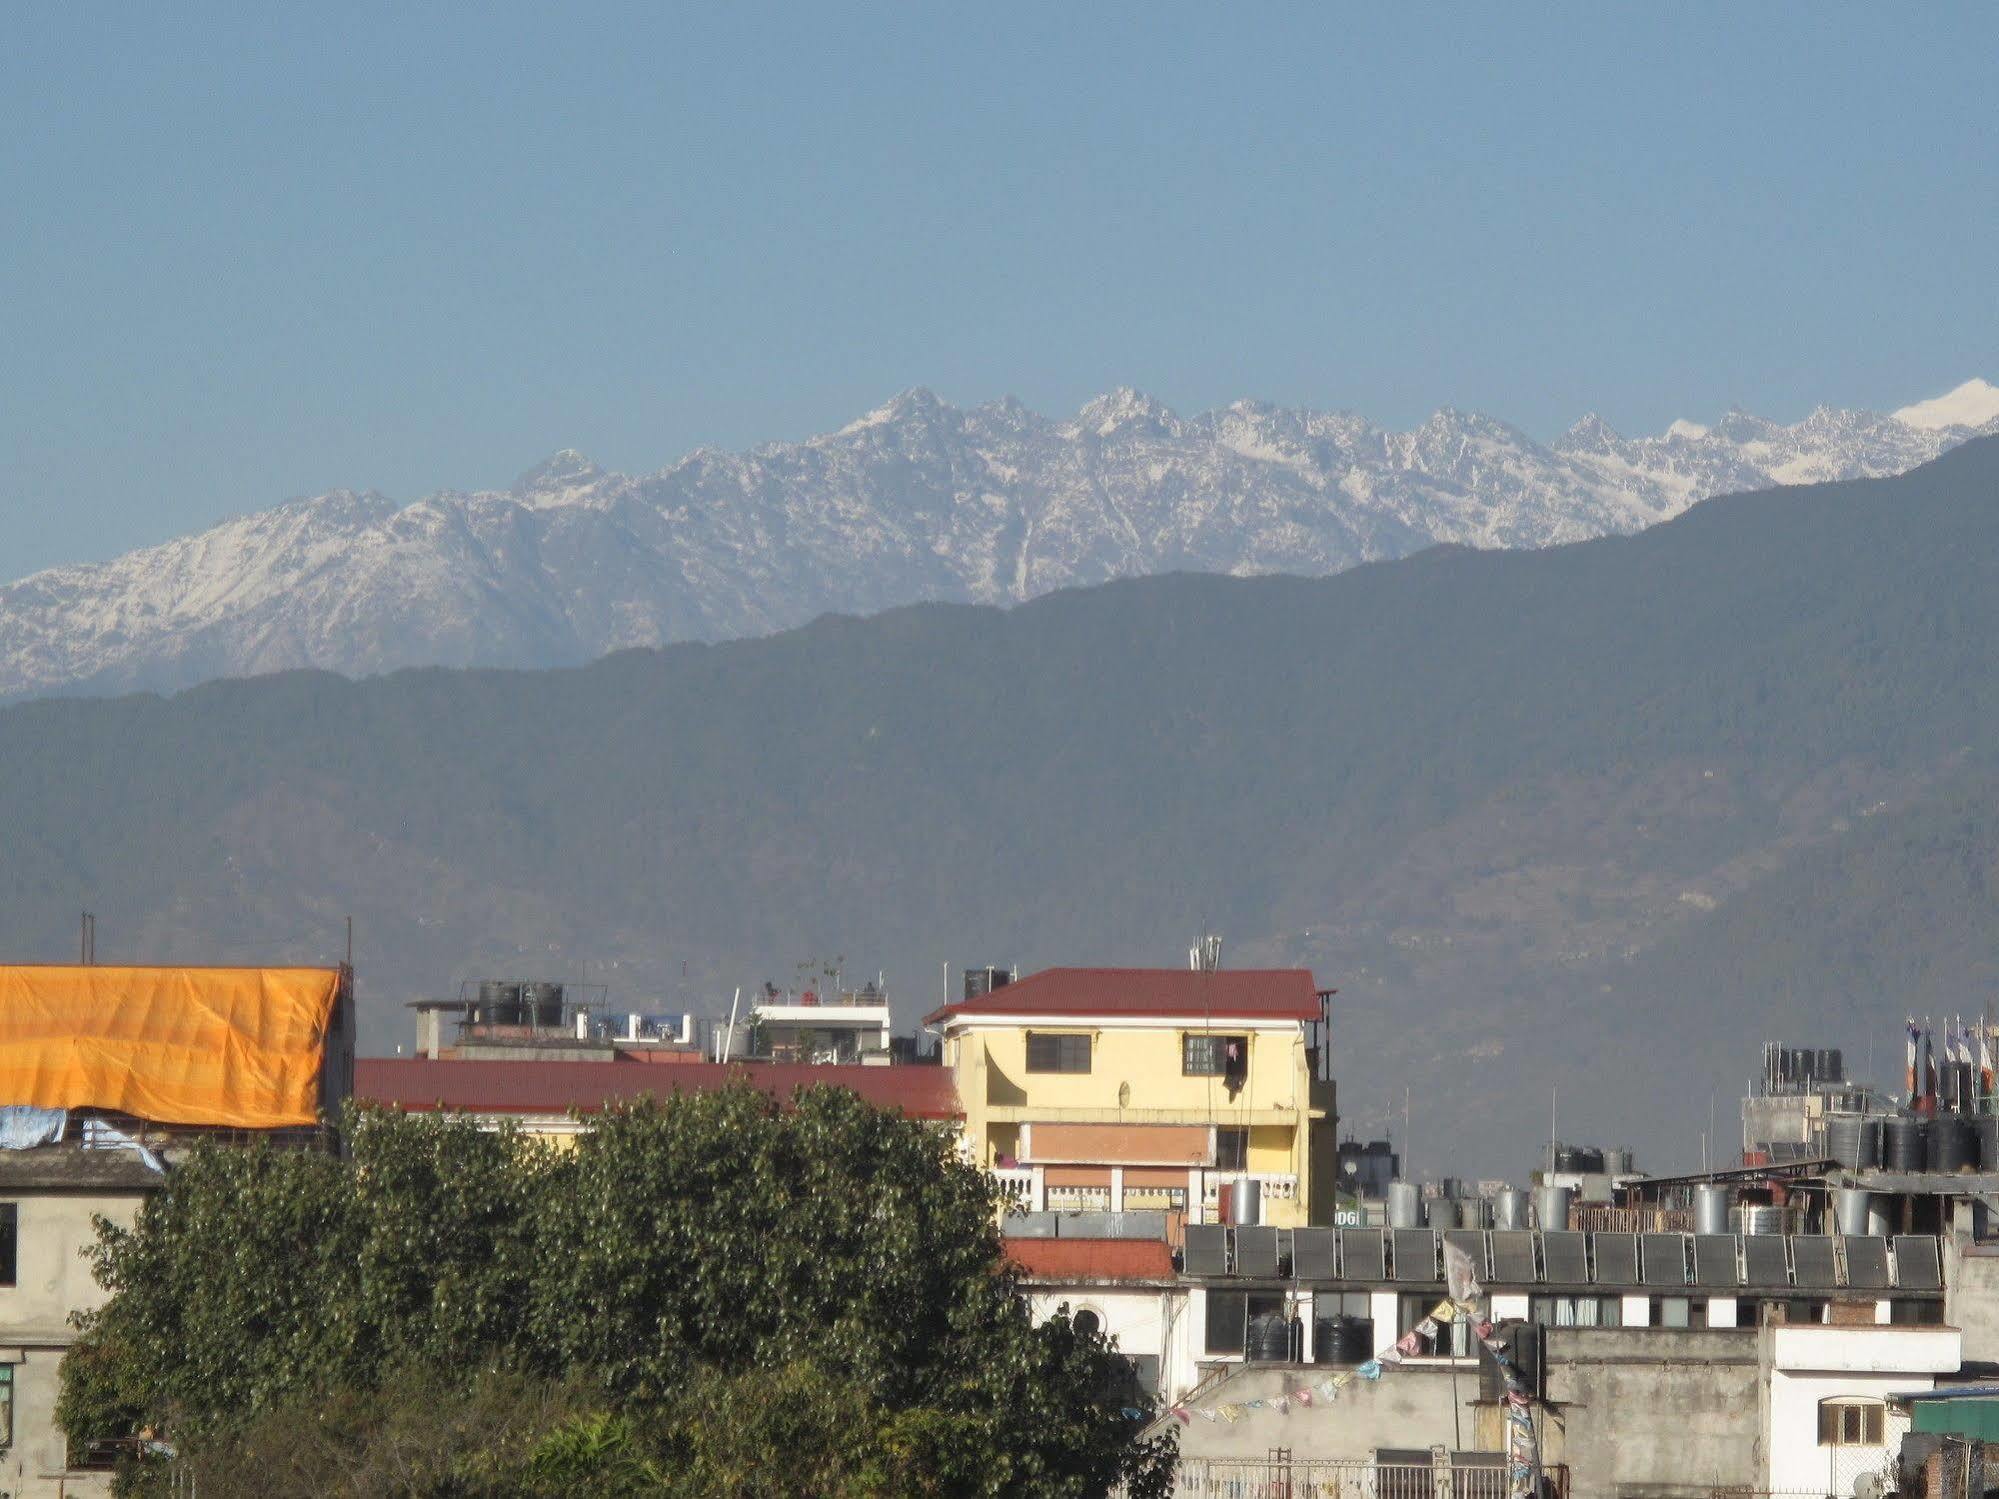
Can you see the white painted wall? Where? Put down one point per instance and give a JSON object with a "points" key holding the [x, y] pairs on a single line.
{"points": [[1382, 1307], [1798, 1463], [1813, 1364]]}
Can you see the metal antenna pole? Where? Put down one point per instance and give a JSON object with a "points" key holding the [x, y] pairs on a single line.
{"points": [[729, 1044]]}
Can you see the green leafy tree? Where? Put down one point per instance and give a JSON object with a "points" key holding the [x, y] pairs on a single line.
{"points": [[812, 1295]]}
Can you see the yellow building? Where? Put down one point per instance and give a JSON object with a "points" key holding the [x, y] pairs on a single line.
{"points": [[1131, 1088]]}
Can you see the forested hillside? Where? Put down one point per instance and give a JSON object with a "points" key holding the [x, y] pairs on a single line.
{"points": [[1629, 805]]}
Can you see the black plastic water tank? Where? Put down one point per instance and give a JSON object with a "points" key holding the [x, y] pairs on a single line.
{"points": [[1870, 1144], [1269, 1339], [541, 1004], [1356, 1340], [499, 1003], [1325, 1340], [1842, 1138], [1903, 1144], [1953, 1144]]}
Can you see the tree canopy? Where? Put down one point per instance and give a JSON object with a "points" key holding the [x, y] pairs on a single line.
{"points": [[713, 1293]]}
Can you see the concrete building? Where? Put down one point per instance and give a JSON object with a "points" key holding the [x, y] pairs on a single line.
{"points": [[1126, 1289], [1827, 1422], [554, 1100], [50, 1197], [832, 1025], [106, 1073], [1201, 1093], [1662, 1365]]}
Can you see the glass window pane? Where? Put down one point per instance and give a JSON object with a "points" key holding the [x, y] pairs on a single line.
{"points": [[1228, 1316]]}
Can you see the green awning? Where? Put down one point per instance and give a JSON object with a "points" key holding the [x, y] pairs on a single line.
{"points": [[1972, 1416]]}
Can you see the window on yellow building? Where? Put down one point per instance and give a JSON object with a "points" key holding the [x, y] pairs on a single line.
{"points": [[1051, 1052], [1213, 1056]]}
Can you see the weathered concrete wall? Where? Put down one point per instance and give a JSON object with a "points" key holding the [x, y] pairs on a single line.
{"points": [[33, 1466], [1411, 1406], [1971, 1296], [51, 1280], [1648, 1413]]}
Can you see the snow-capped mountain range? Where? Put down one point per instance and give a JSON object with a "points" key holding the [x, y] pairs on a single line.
{"points": [[916, 500]]}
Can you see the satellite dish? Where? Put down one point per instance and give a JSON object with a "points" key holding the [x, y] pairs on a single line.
{"points": [[1870, 1486], [1123, 1095]]}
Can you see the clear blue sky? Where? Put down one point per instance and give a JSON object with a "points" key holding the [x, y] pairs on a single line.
{"points": [[263, 252]]}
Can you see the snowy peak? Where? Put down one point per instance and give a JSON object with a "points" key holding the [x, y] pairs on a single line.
{"points": [[916, 405], [1127, 412], [559, 480], [916, 500], [1973, 404], [1589, 434]]}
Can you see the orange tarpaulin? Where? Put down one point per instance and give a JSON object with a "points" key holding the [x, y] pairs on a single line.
{"points": [[234, 1046]]}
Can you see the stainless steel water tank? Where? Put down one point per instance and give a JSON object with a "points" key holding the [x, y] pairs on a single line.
{"points": [[1711, 1208], [1246, 1202], [1551, 1206], [1762, 1220], [1405, 1206], [1509, 1208], [1853, 1207], [1441, 1212]]}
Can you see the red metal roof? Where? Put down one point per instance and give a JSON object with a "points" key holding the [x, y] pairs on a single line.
{"points": [[1070, 1260], [1243, 993], [420, 1084]]}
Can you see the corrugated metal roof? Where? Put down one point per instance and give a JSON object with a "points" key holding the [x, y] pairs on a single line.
{"points": [[1240, 993], [420, 1084], [1091, 1259]]}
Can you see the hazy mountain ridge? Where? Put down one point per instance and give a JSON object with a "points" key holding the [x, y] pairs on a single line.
{"points": [[1532, 813], [918, 500]]}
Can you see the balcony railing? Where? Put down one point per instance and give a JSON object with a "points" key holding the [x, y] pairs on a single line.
{"points": [[1275, 1186], [1301, 1478], [831, 999]]}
